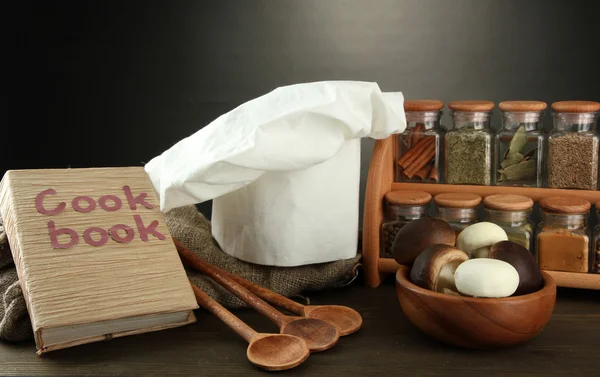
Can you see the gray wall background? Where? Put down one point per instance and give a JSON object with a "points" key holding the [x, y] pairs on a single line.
{"points": [[132, 78]]}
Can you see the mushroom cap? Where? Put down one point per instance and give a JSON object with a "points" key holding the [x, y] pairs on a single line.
{"points": [[480, 235], [434, 268], [530, 276], [417, 235], [486, 277]]}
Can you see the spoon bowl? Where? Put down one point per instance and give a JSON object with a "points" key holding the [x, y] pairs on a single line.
{"points": [[275, 352], [268, 351], [347, 320], [318, 334]]}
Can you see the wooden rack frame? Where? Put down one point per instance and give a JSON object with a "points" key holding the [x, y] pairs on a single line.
{"points": [[380, 181]]}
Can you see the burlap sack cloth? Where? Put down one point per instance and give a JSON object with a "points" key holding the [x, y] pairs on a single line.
{"points": [[193, 230]]}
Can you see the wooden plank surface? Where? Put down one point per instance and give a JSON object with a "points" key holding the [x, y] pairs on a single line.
{"points": [[387, 345]]}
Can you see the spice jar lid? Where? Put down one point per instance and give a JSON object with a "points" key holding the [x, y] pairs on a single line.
{"points": [[569, 205], [408, 197], [576, 106], [457, 200], [471, 105], [523, 106], [503, 202], [423, 105]]}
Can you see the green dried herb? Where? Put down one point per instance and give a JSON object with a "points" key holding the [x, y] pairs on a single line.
{"points": [[518, 142], [512, 160], [529, 155], [517, 166], [469, 158], [523, 170]]}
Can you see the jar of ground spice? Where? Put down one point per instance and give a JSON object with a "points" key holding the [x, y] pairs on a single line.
{"points": [[457, 209], [418, 148], [468, 145], [401, 207], [512, 213], [520, 144], [573, 146], [596, 245], [563, 236]]}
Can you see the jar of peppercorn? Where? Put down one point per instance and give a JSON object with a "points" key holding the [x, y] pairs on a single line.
{"points": [[459, 210], [401, 207], [573, 146], [512, 213], [418, 151], [563, 240]]}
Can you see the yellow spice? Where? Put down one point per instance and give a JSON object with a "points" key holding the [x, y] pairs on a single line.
{"points": [[563, 251]]}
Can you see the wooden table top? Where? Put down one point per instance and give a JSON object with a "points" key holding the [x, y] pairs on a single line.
{"points": [[387, 345]]}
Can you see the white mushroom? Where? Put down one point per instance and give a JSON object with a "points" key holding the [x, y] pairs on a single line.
{"points": [[486, 277], [476, 239]]}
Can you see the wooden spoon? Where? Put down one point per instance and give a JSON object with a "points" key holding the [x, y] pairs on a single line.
{"points": [[271, 352], [347, 320], [318, 334]]}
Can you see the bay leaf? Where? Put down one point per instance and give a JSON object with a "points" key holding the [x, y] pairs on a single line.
{"points": [[518, 142], [530, 154], [512, 160], [524, 170]]}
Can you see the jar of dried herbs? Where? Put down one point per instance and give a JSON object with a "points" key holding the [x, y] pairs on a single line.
{"points": [[418, 150], [563, 239], [520, 144], [573, 146], [468, 145], [459, 210], [596, 243], [401, 207], [512, 213]]}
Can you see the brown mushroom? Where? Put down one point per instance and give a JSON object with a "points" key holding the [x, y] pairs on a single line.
{"points": [[417, 235], [434, 268], [530, 276]]}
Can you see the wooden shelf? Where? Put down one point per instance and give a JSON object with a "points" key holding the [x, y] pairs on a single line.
{"points": [[380, 181], [534, 193]]}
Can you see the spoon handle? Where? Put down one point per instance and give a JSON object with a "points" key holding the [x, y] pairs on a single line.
{"points": [[223, 314], [222, 278], [269, 296]]}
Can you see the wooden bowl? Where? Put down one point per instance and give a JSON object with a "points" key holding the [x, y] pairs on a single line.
{"points": [[476, 323]]}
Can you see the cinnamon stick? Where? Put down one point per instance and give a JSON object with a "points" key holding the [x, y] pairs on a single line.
{"points": [[434, 175], [422, 160], [412, 154], [424, 172], [417, 133], [408, 141]]}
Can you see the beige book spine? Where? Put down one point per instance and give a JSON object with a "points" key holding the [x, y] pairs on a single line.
{"points": [[7, 209]]}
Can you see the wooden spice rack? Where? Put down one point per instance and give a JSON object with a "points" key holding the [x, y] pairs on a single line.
{"points": [[380, 181]]}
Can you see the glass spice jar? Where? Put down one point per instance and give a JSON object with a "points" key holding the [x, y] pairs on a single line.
{"points": [[563, 235], [573, 146], [520, 144], [459, 210], [418, 147], [596, 243], [512, 213], [400, 208], [468, 145]]}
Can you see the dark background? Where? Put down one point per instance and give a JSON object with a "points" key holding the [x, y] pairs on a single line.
{"points": [[114, 83]]}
